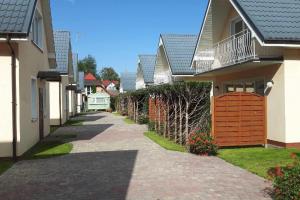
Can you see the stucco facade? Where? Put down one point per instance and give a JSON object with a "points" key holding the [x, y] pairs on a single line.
{"points": [[30, 59], [276, 78], [59, 101]]}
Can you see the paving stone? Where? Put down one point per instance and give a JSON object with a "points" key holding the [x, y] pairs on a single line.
{"points": [[113, 160]]}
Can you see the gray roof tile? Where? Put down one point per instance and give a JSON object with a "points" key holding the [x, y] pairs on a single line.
{"points": [[128, 81], [16, 16], [180, 50], [81, 80], [147, 64], [75, 66], [62, 40], [275, 20]]}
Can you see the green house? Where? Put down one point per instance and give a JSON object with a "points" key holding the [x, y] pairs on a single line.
{"points": [[98, 101]]}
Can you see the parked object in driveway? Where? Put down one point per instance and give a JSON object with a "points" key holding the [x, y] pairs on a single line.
{"points": [[99, 101]]}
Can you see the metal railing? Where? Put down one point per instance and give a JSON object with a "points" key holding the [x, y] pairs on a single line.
{"points": [[233, 50]]}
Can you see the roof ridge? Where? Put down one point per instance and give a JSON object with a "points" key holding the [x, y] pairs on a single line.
{"points": [[178, 34]]}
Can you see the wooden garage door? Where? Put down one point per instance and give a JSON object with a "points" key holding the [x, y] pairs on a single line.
{"points": [[239, 119]]}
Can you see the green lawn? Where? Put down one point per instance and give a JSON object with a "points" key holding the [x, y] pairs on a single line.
{"points": [[129, 121], [5, 165], [73, 122], [165, 143], [258, 160], [48, 149]]}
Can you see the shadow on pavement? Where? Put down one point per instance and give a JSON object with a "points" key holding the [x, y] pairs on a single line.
{"points": [[85, 132], [99, 175], [89, 118]]}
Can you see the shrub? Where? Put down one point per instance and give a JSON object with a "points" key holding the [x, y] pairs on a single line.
{"points": [[151, 126], [286, 181], [113, 101], [143, 119], [124, 113], [201, 143]]}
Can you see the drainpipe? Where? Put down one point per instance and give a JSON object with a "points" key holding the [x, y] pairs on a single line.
{"points": [[14, 98], [60, 107]]}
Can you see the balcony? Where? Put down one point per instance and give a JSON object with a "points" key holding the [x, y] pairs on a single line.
{"points": [[236, 49]]}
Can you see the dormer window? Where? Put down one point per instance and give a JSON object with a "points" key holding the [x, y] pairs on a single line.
{"points": [[37, 29], [238, 26]]}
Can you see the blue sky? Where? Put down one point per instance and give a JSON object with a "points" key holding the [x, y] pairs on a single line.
{"points": [[116, 31]]}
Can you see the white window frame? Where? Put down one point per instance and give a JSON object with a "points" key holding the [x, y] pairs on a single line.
{"points": [[235, 83], [34, 106], [37, 29], [232, 25]]}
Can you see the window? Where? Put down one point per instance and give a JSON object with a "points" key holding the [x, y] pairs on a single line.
{"points": [[33, 99], [100, 101], [256, 86], [237, 26], [37, 29]]}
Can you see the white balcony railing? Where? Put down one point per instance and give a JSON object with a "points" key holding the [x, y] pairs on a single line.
{"points": [[233, 50]]}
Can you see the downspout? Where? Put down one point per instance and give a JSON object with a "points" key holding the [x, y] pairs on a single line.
{"points": [[14, 99], [60, 107]]}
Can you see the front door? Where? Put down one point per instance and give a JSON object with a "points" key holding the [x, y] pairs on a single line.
{"points": [[41, 113]]}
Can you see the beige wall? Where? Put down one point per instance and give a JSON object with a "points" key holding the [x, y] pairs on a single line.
{"points": [[282, 100], [30, 60], [6, 108], [227, 25], [162, 72], [54, 101], [292, 95], [79, 102], [72, 103], [29, 68]]}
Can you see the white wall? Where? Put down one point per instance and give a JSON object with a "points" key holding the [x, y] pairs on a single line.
{"points": [[292, 96], [6, 108]]}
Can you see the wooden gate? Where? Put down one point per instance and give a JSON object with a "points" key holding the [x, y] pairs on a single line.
{"points": [[239, 119]]}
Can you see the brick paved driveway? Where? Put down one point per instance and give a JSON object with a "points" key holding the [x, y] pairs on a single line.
{"points": [[113, 160]]}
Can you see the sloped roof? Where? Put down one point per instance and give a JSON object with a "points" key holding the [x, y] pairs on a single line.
{"points": [[128, 81], [81, 80], [16, 17], [180, 50], [62, 41], [92, 83], [274, 20], [90, 77], [147, 64], [75, 66], [108, 82]]}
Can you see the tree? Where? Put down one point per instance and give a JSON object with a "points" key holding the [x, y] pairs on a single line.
{"points": [[108, 73], [88, 65]]}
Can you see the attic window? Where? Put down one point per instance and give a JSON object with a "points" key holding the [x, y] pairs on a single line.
{"points": [[37, 29], [238, 26]]}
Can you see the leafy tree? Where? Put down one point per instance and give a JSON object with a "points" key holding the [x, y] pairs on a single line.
{"points": [[88, 65], [108, 73]]}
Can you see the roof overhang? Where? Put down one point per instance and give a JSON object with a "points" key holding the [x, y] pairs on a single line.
{"points": [[258, 35], [71, 87], [252, 64], [78, 91], [49, 75], [26, 30]]}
